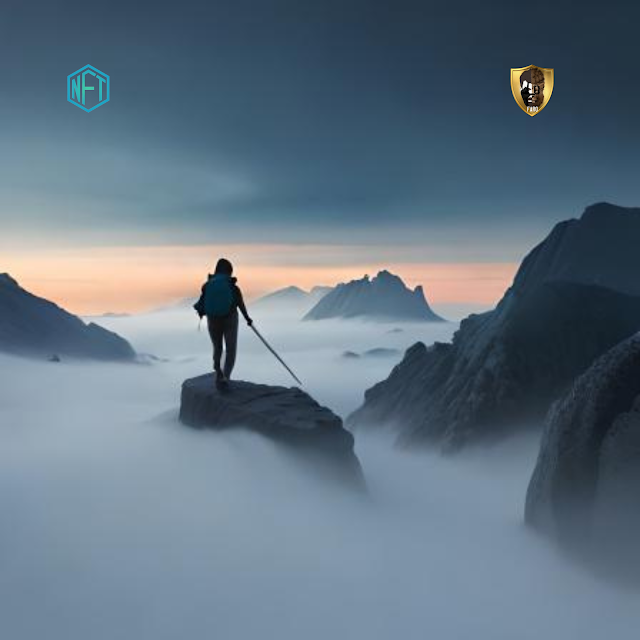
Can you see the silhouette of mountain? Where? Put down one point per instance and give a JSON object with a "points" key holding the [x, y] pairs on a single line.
{"points": [[385, 297], [33, 326], [575, 295], [286, 295], [290, 299]]}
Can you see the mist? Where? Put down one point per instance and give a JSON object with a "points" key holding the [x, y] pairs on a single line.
{"points": [[117, 521]]}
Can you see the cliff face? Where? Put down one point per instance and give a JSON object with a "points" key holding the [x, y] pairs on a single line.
{"points": [[574, 297], [384, 297], [585, 489], [33, 326], [288, 416], [600, 248]]}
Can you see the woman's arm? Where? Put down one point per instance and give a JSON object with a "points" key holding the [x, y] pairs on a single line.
{"points": [[199, 306], [242, 306]]}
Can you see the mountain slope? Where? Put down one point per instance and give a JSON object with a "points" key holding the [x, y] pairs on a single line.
{"points": [[287, 295], [575, 296], [33, 326], [290, 299]]}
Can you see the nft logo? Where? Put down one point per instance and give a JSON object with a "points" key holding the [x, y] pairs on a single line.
{"points": [[88, 88]]}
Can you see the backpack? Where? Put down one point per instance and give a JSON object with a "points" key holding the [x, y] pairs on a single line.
{"points": [[219, 296]]}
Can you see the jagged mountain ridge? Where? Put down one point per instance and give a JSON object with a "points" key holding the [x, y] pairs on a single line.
{"points": [[573, 298], [384, 297]]}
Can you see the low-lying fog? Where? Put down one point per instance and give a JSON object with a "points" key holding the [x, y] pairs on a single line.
{"points": [[118, 523]]}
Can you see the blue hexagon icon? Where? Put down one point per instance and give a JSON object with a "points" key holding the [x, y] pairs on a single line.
{"points": [[88, 88]]}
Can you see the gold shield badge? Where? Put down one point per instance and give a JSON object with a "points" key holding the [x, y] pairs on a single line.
{"points": [[532, 88]]}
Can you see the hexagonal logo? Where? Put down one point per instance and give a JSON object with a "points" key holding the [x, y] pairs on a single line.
{"points": [[88, 88]]}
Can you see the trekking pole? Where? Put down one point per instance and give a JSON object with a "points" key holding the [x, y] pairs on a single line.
{"points": [[282, 362]]}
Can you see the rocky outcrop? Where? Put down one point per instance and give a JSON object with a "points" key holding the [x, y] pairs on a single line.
{"points": [[378, 352], [572, 299], [585, 490], [288, 416], [33, 326], [384, 297]]}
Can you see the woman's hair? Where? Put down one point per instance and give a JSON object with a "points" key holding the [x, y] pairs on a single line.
{"points": [[224, 267]]}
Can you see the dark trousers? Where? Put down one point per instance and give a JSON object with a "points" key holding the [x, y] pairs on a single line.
{"points": [[224, 331]]}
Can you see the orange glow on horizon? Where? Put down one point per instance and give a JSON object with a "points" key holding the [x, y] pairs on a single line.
{"points": [[132, 279]]}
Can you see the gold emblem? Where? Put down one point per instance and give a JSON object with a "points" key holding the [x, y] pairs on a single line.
{"points": [[532, 88]]}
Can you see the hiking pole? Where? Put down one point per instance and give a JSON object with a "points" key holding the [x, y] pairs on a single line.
{"points": [[282, 362]]}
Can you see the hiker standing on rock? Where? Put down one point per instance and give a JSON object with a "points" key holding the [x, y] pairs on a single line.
{"points": [[219, 301]]}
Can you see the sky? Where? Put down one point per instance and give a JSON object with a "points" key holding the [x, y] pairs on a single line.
{"points": [[312, 141]]}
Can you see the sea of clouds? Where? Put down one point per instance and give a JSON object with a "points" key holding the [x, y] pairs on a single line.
{"points": [[117, 522]]}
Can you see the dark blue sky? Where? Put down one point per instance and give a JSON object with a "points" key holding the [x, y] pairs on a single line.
{"points": [[299, 121]]}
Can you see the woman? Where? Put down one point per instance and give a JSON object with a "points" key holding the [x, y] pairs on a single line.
{"points": [[220, 300]]}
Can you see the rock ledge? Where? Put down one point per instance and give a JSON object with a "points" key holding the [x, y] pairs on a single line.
{"points": [[288, 416]]}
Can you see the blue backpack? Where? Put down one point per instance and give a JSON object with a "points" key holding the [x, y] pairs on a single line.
{"points": [[219, 296]]}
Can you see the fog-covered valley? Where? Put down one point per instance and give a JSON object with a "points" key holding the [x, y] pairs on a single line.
{"points": [[117, 521]]}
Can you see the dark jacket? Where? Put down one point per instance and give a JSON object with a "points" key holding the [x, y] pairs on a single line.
{"points": [[238, 302]]}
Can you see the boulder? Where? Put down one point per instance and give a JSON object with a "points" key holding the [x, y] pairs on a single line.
{"points": [[288, 416], [585, 489]]}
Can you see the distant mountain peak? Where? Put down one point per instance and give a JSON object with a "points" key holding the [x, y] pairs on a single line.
{"points": [[384, 297], [291, 298], [605, 209], [293, 289], [5, 278]]}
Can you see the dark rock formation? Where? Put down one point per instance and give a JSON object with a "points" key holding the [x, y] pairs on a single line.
{"points": [[585, 490], [572, 299], [600, 248], [384, 298], [288, 416], [378, 352], [35, 327], [381, 352]]}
